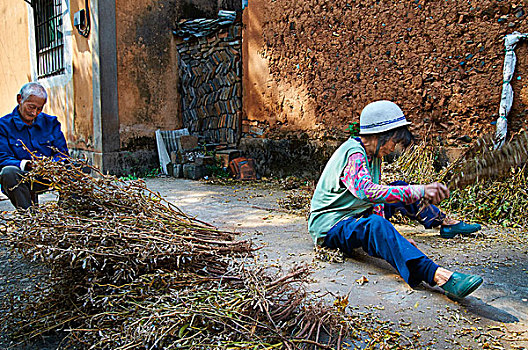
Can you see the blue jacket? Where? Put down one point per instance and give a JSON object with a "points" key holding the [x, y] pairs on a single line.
{"points": [[39, 138]]}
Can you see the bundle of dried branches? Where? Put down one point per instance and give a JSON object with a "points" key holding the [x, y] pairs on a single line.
{"points": [[496, 201], [414, 165], [483, 162], [486, 184], [128, 270]]}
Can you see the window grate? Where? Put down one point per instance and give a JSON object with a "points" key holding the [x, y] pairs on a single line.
{"points": [[49, 37]]}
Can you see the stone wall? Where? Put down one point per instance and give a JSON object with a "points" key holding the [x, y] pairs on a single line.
{"points": [[210, 70], [297, 155]]}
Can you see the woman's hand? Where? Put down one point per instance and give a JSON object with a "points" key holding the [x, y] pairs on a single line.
{"points": [[436, 192]]}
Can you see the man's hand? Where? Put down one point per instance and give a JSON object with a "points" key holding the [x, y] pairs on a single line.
{"points": [[436, 192], [28, 166]]}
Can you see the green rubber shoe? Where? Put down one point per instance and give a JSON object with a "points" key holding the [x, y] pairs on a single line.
{"points": [[450, 231], [461, 285]]}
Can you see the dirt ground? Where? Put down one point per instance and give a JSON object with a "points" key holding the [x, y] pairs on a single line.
{"points": [[495, 316]]}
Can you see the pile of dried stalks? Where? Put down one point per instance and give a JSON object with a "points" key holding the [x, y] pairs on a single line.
{"points": [[127, 270], [487, 185], [414, 165]]}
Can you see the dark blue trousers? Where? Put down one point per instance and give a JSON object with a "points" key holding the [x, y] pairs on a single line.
{"points": [[378, 238]]}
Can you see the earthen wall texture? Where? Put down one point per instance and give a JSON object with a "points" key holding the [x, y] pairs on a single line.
{"points": [[440, 60], [148, 82]]}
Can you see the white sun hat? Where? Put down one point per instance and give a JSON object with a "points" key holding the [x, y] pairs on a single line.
{"points": [[380, 116]]}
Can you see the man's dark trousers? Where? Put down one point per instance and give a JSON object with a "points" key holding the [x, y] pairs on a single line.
{"points": [[21, 194]]}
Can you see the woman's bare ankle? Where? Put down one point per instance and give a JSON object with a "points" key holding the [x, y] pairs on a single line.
{"points": [[441, 276], [450, 221]]}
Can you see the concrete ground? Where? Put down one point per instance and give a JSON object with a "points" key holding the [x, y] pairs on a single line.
{"points": [[493, 317]]}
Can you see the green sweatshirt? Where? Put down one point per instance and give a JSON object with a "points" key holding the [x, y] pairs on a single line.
{"points": [[332, 202]]}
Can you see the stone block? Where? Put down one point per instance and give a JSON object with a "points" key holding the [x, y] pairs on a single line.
{"points": [[187, 142], [226, 156], [223, 159], [178, 170], [193, 171], [204, 160], [185, 157]]}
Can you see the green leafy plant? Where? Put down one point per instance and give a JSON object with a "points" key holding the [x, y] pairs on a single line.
{"points": [[217, 171], [129, 177], [353, 129], [143, 174], [487, 188], [153, 172]]}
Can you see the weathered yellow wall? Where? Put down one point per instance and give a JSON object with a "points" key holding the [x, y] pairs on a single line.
{"points": [[147, 67], [149, 97], [14, 59], [70, 94], [147, 71], [82, 118]]}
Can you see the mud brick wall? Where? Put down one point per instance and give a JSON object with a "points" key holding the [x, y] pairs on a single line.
{"points": [[210, 70], [313, 65]]}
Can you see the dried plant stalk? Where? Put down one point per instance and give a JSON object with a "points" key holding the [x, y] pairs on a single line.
{"points": [[128, 270], [483, 162], [414, 165]]}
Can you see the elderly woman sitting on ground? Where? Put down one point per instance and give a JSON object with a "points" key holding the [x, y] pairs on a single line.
{"points": [[350, 209]]}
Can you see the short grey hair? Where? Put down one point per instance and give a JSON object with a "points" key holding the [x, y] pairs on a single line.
{"points": [[33, 89]]}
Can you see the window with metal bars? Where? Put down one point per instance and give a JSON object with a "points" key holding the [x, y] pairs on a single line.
{"points": [[49, 37]]}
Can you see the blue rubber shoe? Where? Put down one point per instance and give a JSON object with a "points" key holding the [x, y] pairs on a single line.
{"points": [[450, 231], [461, 285]]}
